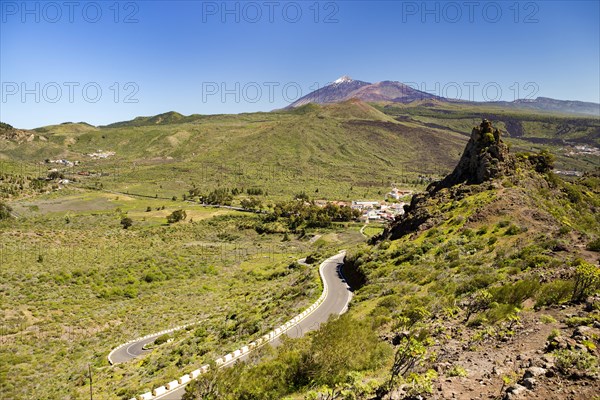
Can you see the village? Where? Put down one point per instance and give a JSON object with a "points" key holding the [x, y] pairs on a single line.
{"points": [[376, 211]]}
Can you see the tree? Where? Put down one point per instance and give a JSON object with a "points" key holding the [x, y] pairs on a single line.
{"points": [[5, 211], [251, 204], [543, 161], [126, 222], [176, 216], [206, 387]]}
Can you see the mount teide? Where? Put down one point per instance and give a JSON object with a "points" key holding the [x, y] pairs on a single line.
{"points": [[345, 88]]}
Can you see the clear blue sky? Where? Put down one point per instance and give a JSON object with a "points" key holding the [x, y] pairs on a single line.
{"points": [[181, 55]]}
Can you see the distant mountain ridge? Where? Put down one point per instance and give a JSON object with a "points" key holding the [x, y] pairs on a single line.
{"points": [[345, 88]]}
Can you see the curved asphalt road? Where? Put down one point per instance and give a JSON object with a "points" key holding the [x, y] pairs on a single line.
{"points": [[132, 350], [336, 303]]}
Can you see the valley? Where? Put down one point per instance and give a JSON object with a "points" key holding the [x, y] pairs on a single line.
{"points": [[76, 284]]}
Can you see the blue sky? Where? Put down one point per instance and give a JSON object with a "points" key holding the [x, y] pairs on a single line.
{"points": [[102, 62]]}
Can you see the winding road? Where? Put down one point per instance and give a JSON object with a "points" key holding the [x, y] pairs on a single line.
{"points": [[337, 297]]}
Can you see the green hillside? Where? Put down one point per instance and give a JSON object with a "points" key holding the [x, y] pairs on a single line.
{"points": [[90, 259], [486, 286], [343, 151]]}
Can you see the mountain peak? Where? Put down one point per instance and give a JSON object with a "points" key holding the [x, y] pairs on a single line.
{"points": [[343, 79]]}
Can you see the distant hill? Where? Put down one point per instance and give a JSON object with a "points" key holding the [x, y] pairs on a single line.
{"points": [[167, 118], [345, 88], [553, 105]]}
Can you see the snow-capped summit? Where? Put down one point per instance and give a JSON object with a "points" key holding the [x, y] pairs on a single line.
{"points": [[343, 79], [346, 88]]}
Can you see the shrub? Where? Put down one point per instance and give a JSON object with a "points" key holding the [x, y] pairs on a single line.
{"points": [[587, 280], [161, 339], [512, 230], [516, 293], [457, 370], [594, 245], [564, 230], [578, 321], [555, 292], [419, 384], [547, 319], [126, 222], [553, 334], [176, 216], [478, 301], [570, 361], [543, 161]]}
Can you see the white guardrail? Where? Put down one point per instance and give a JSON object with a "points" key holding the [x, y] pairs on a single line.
{"points": [[233, 356]]}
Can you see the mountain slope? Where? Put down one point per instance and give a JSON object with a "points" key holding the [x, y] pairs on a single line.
{"points": [[475, 293], [553, 105], [336, 148], [339, 90], [345, 88]]}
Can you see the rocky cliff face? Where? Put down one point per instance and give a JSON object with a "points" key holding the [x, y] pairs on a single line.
{"points": [[485, 158]]}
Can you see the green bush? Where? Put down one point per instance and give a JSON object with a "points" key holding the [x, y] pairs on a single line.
{"points": [[512, 230], [587, 280], [555, 292], [457, 370], [162, 339], [578, 321], [176, 216], [594, 245], [126, 222], [547, 319], [570, 361], [516, 293]]}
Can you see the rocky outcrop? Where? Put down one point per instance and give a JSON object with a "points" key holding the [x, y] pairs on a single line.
{"points": [[11, 134], [485, 157]]}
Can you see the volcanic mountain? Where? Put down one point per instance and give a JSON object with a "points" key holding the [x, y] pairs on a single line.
{"points": [[345, 88]]}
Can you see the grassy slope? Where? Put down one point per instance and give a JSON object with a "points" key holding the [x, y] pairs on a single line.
{"points": [[516, 239], [332, 149], [74, 285], [527, 130]]}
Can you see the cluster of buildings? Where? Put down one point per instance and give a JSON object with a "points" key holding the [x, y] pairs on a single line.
{"points": [[101, 154], [584, 150], [63, 162], [378, 211], [375, 211], [382, 211]]}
